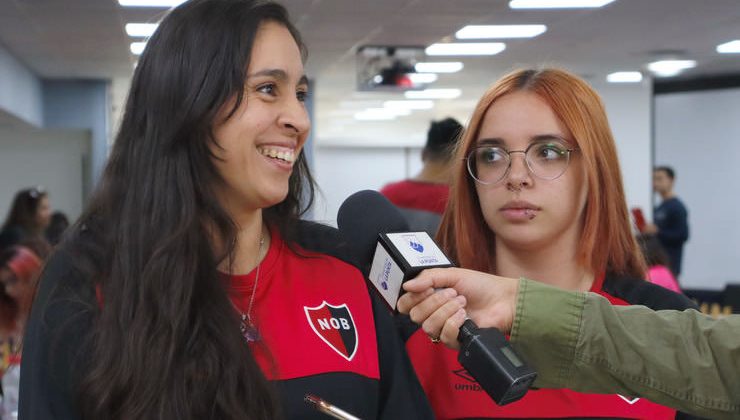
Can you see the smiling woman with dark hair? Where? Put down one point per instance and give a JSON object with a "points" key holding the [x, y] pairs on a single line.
{"points": [[189, 288]]}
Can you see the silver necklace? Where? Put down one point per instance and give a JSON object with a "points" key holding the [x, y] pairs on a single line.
{"points": [[246, 326]]}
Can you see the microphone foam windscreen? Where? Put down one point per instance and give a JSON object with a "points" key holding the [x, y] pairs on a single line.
{"points": [[362, 217]]}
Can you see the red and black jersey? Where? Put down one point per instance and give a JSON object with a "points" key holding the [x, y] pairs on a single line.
{"points": [[321, 333], [454, 394]]}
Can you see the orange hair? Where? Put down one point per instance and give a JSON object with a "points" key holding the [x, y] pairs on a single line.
{"points": [[606, 241]]}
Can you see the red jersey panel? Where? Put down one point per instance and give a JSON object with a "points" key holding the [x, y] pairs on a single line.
{"points": [[417, 195], [454, 394], [313, 314]]}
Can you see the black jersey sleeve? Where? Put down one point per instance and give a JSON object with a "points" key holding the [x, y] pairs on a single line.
{"points": [[55, 342], [401, 394], [324, 239], [641, 292]]}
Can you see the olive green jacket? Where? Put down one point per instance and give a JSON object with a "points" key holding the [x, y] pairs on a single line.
{"points": [[685, 360]]}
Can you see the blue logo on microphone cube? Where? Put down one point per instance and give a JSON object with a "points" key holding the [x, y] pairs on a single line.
{"points": [[417, 249], [414, 243], [385, 274]]}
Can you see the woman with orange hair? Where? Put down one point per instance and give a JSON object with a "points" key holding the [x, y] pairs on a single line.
{"points": [[538, 193]]}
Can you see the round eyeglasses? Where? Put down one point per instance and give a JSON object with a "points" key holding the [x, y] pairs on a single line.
{"points": [[548, 159]]}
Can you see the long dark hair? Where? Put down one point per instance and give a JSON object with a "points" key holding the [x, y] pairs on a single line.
{"points": [[166, 343], [24, 208]]}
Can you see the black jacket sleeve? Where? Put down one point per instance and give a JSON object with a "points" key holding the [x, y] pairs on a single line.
{"points": [[55, 343], [401, 394], [642, 292]]}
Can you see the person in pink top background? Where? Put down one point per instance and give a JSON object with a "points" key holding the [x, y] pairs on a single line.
{"points": [[657, 261]]}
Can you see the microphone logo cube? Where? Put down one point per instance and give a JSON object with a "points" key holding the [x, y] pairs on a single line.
{"points": [[417, 249]]}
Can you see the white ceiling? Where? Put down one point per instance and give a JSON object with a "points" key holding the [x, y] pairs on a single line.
{"points": [[86, 39]]}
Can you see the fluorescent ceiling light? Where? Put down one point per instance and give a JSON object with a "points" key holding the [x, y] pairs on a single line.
{"points": [[433, 94], [375, 114], [397, 111], [386, 111], [500, 31], [668, 68], [137, 47], [141, 29], [416, 105], [357, 105], [439, 67], [150, 3], [342, 113], [455, 48], [557, 4], [624, 77], [728, 47], [422, 78]]}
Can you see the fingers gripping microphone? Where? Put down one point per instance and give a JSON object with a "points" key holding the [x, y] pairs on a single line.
{"points": [[380, 239]]}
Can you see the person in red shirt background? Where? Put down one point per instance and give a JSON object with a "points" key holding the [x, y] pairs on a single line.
{"points": [[423, 198]]}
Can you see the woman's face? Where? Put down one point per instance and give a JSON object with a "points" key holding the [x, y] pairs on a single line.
{"points": [[10, 283], [262, 140], [526, 212], [43, 213]]}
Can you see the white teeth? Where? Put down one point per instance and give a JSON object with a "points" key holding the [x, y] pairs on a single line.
{"points": [[286, 155]]}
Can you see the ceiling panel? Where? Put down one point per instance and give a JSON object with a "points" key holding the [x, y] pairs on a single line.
{"points": [[85, 38]]}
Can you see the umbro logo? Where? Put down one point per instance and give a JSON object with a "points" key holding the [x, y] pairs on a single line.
{"points": [[470, 383]]}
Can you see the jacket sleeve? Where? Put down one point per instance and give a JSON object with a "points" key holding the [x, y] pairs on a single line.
{"points": [[55, 343], [682, 359], [401, 394]]}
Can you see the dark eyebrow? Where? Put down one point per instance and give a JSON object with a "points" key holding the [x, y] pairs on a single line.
{"points": [[550, 137], [279, 74], [491, 142], [499, 142]]}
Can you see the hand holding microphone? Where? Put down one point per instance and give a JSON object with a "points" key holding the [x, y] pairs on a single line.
{"points": [[442, 313], [390, 255]]}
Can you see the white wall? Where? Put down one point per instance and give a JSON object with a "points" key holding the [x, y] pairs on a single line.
{"points": [[698, 134], [628, 107], [54, 159], [341, 171], [20, 90], [342, 167]]}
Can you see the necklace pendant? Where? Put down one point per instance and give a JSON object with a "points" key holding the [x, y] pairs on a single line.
{"points": [[249, 332]]}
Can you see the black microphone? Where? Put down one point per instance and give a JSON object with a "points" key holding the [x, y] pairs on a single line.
{"points": [[361, 217], [379, 237]]}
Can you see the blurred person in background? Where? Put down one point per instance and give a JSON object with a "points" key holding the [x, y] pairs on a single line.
{"points": [[28, 217], [422, 199], [19, 269], [59, 223], [657, 261], [671, 218], [537, 192]]}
